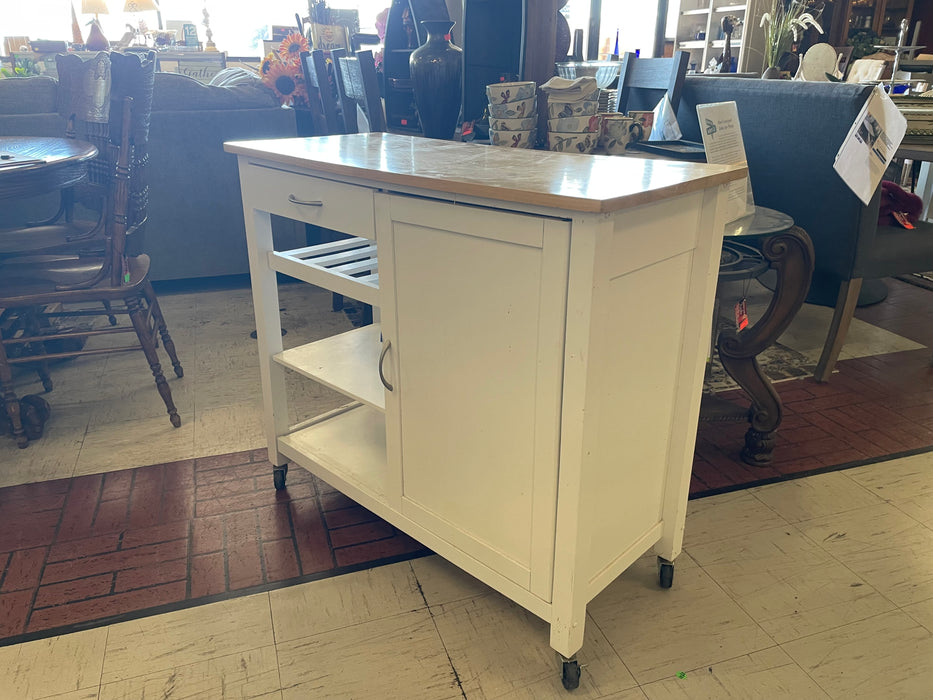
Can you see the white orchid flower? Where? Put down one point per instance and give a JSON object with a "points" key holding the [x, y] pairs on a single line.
{"points": [[765, 18]]}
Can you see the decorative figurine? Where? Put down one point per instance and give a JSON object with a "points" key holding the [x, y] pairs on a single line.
{"points": [[729, 23]]}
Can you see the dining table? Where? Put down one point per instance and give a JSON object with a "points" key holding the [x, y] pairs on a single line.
{"points": [[36, 165]]}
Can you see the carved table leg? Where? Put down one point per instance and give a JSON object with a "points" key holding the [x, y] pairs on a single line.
{"points": [[791, 256]]}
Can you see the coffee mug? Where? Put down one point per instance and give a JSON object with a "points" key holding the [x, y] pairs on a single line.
{"points": [[646, 119], [617, 133]]}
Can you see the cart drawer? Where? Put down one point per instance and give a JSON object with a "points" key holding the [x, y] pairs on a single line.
{"points": [[313, 200]]}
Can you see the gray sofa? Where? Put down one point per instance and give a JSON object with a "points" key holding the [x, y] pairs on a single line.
{"points": [[195, 226]]}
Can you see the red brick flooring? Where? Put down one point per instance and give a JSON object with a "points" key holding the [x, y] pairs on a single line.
{"points": [[97, 548]]}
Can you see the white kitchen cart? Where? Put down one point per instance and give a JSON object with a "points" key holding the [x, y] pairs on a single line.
{"points": [[527, 407]]}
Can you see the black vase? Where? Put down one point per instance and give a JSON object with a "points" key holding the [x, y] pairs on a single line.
{"points": [[436, 78]]}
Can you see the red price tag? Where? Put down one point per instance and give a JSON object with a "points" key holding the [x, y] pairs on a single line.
{"points": [[902, 219], [741, 315]]}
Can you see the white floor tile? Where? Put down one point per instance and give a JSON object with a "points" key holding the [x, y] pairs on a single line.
{"points": [[726, 515], [134, 444], [247, 674], [392, 657], [815, 496], [899, 479], [153, 644], [442, 582], [787, 584], [887, 548], [889, 656], [765, 675], [70, 664], [500, 650], [322, 606], [659, 632]]}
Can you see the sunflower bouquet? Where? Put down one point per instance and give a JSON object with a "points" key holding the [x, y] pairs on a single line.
{"points": [[281, 71]]}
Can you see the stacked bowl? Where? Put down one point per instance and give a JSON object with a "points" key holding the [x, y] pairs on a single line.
{"points": [[573, 125], [513, 114]]}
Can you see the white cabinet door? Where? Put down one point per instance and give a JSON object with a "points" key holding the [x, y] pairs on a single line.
{"points": [[473, 304]]}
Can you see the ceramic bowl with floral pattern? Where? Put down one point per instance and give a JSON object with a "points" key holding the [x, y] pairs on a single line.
{"points": [[576, 125], [521, 109], [513, 124], [514, 139], [572, 143], [563, 110], [501, 93]]}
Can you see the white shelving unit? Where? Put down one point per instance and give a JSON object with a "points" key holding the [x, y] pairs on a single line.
{"points": [[518, 409], [704, 17]]}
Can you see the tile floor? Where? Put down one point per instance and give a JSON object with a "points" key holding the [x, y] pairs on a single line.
{"points": [[815, 588]]}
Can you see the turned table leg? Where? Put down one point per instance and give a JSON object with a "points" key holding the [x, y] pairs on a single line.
{"points": [[790, 254]]}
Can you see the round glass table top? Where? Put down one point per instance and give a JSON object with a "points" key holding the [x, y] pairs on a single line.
{"points": [[762, 222]]}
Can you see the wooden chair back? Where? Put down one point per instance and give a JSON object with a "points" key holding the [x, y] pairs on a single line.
{"points": [[359, 85], [644, 81], [91, 99], [322, 102]]}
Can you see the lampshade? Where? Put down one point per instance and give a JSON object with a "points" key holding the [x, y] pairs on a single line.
{"points": [[94, 7], [141, 6]]}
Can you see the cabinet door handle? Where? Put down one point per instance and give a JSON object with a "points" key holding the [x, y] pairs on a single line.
{"points": [[306, 202], [382, 357]]}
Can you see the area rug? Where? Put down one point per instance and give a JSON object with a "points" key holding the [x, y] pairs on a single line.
{"points": [[94, 550]]}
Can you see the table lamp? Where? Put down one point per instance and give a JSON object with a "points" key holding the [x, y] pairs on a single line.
{"points": [[96, 41], [144, 6], [94, 7]]}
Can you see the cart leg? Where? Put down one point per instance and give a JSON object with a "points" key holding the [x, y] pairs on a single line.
{"points": [[665, 572], [278, 476], [570, 673]]}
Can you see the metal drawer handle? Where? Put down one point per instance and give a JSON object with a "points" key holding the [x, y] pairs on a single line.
{"points": [[306, 202], [382, 357]]}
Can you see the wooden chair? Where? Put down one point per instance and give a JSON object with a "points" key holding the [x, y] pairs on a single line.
{"points": [[38, 289], [322, 101], [644, 81], [359, 85], [88, 89]]}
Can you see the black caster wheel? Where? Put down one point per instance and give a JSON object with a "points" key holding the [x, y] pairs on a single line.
{"points": [[278, 477], [665, 573], [570, 676]]}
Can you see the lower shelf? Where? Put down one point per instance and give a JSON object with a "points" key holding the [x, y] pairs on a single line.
{"points": [[347, 450]]}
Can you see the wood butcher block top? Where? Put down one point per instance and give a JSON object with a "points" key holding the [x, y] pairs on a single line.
{"points": [[574, 182]]}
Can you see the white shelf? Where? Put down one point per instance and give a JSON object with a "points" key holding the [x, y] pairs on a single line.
{"points": [[698, 44], [721, 43], [348, 266], [348, 363], [730, 8], [347, 450], [700, 11]]}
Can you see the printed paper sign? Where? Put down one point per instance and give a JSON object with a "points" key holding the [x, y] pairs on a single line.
{"points": [[722, 139], [870, 144]]}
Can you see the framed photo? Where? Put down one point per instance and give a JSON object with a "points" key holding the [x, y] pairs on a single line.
{"points": [[329, 36], [200, 65]]}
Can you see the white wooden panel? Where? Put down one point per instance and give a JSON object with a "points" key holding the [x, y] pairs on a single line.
{"points": [[651, 233], [350, 446], [345, 208], [638, 374], [347, 363], [478, 358], [347, 450]]}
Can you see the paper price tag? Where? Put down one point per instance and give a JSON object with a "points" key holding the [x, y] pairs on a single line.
{"points": [[741, 315]]}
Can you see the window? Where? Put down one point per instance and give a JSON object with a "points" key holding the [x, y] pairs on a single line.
{"points": [[634, 21], [238, 27]]}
